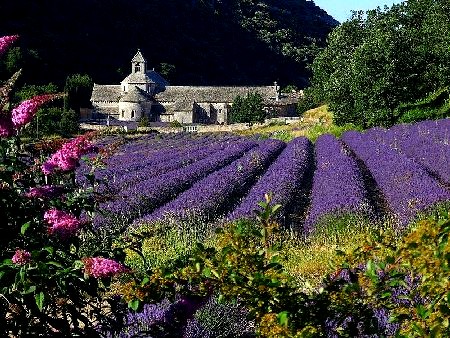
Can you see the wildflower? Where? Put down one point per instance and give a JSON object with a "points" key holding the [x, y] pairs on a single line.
{"points": [[6, 42], [68, 156], [99, 267], [26, 110], [21, 257], [62, 223]]}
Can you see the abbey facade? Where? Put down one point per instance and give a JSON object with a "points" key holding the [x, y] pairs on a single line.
{"points": [[146, 93]]}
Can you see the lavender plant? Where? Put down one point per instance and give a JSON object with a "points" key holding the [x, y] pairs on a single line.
{"points": [[148, 195], [283, 180], [214, 194], [406, 186], [338, 187]]}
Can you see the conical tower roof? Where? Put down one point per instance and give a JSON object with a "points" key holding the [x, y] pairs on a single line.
{"points": [[138, 57]]}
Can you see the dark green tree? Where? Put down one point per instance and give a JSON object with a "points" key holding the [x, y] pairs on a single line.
{"points": [[78, 88], [378, 60], [248, 109], [167, 70]]}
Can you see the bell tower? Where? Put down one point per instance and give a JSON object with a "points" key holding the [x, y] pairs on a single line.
{"points": [[138, 63]]}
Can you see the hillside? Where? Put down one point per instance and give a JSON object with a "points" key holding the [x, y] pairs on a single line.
{"points": [[214, 42]]}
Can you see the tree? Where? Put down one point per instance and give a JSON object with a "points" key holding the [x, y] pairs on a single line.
{"points": [[248, 109], [375, 62], [78, 89]]}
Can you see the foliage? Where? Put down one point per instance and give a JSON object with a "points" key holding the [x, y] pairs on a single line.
{"points": [[410, 277], [144, 122], [28, 91], [248, 109], [176, 124], [49, 120], [167, 70], [78, 88], [435, 106], [307, 101], [47, 287], [377, 61]]}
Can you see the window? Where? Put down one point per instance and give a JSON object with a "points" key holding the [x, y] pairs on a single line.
{"points": [[123, 113], [132, 113], [137, 67]]}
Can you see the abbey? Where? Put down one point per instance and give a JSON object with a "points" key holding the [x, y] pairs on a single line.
{"points": [[146, 93]]}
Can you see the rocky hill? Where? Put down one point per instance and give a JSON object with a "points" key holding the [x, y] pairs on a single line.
{"points": [[197, 42]]}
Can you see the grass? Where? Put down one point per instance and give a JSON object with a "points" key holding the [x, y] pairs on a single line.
{"points": [[315, 122], [307, 259]]}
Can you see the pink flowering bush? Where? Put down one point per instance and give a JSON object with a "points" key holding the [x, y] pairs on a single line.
{"points": [[24, 113], [47, 286], [21, 257], [62, 224], [99, 267], [67, 158], [6, 42]]}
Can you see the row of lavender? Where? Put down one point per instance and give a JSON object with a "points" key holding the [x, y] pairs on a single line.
{"points": [[165, 173], [227, 176]]}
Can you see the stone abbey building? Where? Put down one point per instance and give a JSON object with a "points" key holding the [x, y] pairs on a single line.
{"points": [[146, 93]]}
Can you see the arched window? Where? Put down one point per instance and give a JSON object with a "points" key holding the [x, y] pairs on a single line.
{"points": [[137, 67]]}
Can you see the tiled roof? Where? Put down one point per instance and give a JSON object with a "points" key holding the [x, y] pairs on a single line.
{"points": [[137, 78], [211, 94], [135, 95], [158, 79], [108, 93]]}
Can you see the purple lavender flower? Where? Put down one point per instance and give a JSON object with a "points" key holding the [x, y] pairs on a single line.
{"points": [[147, 195], [338, 186], [212, 195], [282, 179], [407, 187]]}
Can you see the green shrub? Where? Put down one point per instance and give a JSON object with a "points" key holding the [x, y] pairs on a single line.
{"points": [[435, 106]]}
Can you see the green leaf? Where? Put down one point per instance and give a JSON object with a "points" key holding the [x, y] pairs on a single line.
{"points": [[207, 272], [25, 227], [39, 298], [283, 318], [275, 208], [145, 281], [58, 265], [29, 290], [215, 273], [134, 304]]}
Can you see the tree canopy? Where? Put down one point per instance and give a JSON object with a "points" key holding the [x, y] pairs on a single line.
{"points": [[381, 59], [248, 109]]}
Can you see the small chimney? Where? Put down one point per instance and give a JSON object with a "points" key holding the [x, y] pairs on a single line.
{"points": [[277, 91]]}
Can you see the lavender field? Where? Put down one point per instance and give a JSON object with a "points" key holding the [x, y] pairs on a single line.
{"points": [[376, 174]]}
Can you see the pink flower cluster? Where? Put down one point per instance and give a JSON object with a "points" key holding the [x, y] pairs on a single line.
{"points": [[99, 267], [22, 114], [6, 42], [46, 191], [21, 257], [67, 157], [25, 111], [62, 223]]}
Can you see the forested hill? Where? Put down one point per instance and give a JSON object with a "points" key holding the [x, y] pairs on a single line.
{"points": [[214, 42]]}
